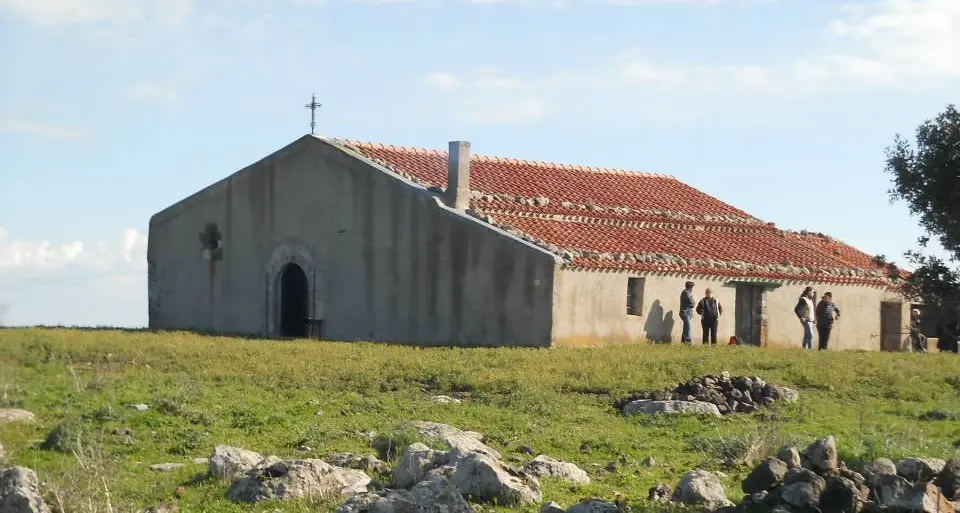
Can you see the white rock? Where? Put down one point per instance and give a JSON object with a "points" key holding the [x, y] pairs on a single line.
{"points": [[593, 506], [445, 399], [227, 461], [414, 464], [545, 466], [701, 488], [485, 479], [165, 467], [139, 407], [454, 437], [20, 491], [650, 407], [918, 470], [436, 495], [297, 479], [11, 415]]}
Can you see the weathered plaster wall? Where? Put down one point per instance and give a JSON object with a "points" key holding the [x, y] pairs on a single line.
{"points": [[389, 263], [590, 309], [859, 324]]}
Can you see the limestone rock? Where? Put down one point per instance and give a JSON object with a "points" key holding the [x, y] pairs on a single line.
{"points": [[821, 455], [20, 491], [879, 467], [648, 406], [799, 495], [768, 474], [789, 455], [445, 399], [593, 506], [918, 470], [12, 415], [545, 466], [417, 459], [455, 438], [551, 507], [802, 475], [484, 479], [887, 489], [840, 496], [701, 488], [139, 407], [227, 461], [435, 495], [367, 463], [165, 467], [297, 479], [949, 479], [924, 498], [660, 493]]}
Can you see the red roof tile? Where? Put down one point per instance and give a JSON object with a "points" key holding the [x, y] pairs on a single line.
{"points": [[607, 219]]}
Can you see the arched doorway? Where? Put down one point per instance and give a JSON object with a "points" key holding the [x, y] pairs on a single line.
{"points": [[293, 301]]}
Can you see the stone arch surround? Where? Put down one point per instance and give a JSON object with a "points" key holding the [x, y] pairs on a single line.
{"points": [[290, 252]]}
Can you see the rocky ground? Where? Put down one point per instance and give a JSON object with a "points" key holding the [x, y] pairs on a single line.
{"points": [[466, 471], [710, 395]]}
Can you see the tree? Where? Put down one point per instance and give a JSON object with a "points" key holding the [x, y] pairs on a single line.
{"points": [[927, 178]]}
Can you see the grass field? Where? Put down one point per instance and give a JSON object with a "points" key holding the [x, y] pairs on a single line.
{"points": [[272, 396]]}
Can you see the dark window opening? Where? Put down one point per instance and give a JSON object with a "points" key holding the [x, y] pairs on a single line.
{"points": [[293, 302], [635, 296]]}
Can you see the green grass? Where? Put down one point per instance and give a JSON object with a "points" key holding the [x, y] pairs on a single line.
{"points": [[266, 395]]}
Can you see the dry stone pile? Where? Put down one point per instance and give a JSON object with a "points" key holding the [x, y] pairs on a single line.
{"points": [[817, 481], [20, 491], [711, 395]]}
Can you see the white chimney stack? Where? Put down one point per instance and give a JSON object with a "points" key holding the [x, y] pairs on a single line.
{"points": [[457, 193]]}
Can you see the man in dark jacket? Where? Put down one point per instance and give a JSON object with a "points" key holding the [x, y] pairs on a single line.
{"points": [[710, 311], [917, 337], [827, 312], [686, 311]]}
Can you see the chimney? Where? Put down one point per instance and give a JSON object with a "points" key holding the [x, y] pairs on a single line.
{"points": [[457, 194]]}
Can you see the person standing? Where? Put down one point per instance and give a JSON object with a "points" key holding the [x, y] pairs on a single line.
{"points": [[804, 311], [827, 312], [686, 311], [709, 310], [916, 332]]}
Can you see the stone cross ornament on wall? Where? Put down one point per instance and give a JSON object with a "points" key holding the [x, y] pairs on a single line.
{"points": [[212, 242]]}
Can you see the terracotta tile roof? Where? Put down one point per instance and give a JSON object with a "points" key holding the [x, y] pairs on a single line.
{"points": [[606, 219]]}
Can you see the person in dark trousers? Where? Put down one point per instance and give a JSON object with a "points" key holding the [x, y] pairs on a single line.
{"points": [[804, 311], [827, 313], [710, 311], [686, 311], [917, 337]]}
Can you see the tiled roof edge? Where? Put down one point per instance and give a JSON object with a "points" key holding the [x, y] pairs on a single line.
{"points": [[479, 157]]}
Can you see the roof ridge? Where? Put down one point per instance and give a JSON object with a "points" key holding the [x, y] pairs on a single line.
{"points": [[501, 160]]}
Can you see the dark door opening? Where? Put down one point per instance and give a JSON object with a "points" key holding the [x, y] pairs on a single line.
{"points": [[293, 302], [891, 325], [749, 313]]}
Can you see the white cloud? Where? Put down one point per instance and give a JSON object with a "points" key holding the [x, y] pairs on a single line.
{"points": [[61, 12], [74, 282], [20, 126], [155, 92], [881, 44]]}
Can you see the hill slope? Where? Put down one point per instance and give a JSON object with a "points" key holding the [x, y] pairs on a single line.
{"points": [[272, 397]]}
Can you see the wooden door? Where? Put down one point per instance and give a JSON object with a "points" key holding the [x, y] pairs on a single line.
{"points": [[891, 325]]}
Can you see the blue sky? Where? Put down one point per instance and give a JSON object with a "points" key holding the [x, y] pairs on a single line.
{"points": [[111, 110]]}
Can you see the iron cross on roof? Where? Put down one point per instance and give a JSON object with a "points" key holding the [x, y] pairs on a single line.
{"points": [[313, 106]]}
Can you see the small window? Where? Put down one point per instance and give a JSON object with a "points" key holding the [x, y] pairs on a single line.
{"points": [[635, 296]]}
